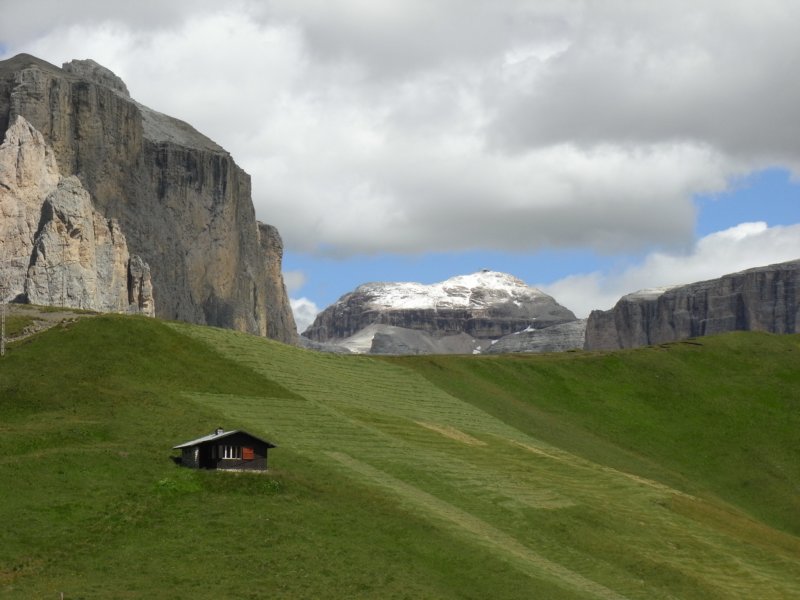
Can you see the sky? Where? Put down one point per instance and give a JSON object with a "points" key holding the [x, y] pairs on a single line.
{"points": [[590, 148]]}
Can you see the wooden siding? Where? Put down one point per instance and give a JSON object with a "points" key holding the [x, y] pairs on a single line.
{"points": [[207, 455], [189, 457]]}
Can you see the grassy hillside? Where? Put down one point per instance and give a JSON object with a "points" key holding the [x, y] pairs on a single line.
{"points": [[717, 415], [662, 473]]}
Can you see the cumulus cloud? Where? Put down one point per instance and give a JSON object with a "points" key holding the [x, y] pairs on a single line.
{"points": [[745, 246], [373, 127], [399, 39], [651, 72], [305, 311], [33, 19]]}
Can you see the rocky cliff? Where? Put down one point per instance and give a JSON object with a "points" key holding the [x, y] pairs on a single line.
{"points": [[462, 314], [55, 249], [181, 201], [557, 338], [280, 319], [761, 299]]}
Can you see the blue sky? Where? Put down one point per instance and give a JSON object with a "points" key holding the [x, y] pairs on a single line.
{"points": [[330, 278], [769, 195], [589, 148]]}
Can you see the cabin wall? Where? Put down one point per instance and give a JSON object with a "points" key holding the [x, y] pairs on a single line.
{"points": [[207, 455], [258, 462], [189, 457]]}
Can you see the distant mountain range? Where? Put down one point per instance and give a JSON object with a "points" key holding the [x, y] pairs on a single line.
{"points": [[490, 312]]}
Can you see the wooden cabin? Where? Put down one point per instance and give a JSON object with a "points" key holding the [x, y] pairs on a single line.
{"points": [[234, 450]]}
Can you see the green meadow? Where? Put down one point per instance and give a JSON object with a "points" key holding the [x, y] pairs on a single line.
{"points": [[665, 472]]}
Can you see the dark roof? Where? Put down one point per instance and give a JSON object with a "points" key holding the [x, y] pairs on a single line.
{"points": [[219, 436]]}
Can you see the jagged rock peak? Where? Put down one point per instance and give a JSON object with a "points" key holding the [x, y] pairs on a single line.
{"points": [[280, 319], [89, 69], [25, 158], [462, 291], [55, 249]]}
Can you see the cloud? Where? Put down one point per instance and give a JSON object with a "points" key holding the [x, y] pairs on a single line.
{"points": [[36, 19], [392, 40], [742, 247], [652, 72], [294, 280], [305, 311], [374, 127]]}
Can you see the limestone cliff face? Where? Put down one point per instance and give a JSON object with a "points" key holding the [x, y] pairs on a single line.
{"points": [[761, 299], [557, 338], [28, 173], [56, 249], [280, 319], [182, 202]]}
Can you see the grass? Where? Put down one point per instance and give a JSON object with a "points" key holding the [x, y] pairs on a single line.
{"points": [[720, 415], [563, 476], [15, 325]]}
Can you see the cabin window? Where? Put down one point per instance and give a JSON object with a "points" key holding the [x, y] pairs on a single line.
{"points": [[248, 454], [230, 452]]}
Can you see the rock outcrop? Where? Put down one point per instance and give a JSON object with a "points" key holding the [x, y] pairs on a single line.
{"points": [[79, 259], [388, 339], [56, 249], [461, 315], [28, 173], [280, 319], [761, 299], [397, 340], [140, 286], [180, 199], [558, 338]]}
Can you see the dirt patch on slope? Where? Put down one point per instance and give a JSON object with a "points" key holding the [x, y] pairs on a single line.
{"points": [[452, 433]]}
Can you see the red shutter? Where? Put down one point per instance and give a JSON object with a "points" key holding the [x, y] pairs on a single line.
{"points": [[248, 454]]}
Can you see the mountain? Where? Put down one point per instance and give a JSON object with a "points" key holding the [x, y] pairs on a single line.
{"points": [[464, 314], [761, 299], [177, 200]]}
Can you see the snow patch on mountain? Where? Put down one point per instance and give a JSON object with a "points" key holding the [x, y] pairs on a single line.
{"points": [[649, 293], [463, 291]]}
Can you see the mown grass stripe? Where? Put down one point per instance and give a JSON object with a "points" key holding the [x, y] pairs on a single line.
{"points": [[477, 529]]}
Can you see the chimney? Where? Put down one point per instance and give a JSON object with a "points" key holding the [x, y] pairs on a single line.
{"points": [[219, 431]]}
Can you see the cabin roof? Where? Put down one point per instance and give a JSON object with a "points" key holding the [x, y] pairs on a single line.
{"points": [[219, 436]]}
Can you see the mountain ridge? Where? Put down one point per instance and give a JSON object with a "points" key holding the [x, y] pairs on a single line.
{"points": [[759, 299]]}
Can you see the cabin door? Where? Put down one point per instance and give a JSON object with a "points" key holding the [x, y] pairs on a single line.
{"points": [[206, 460]]}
